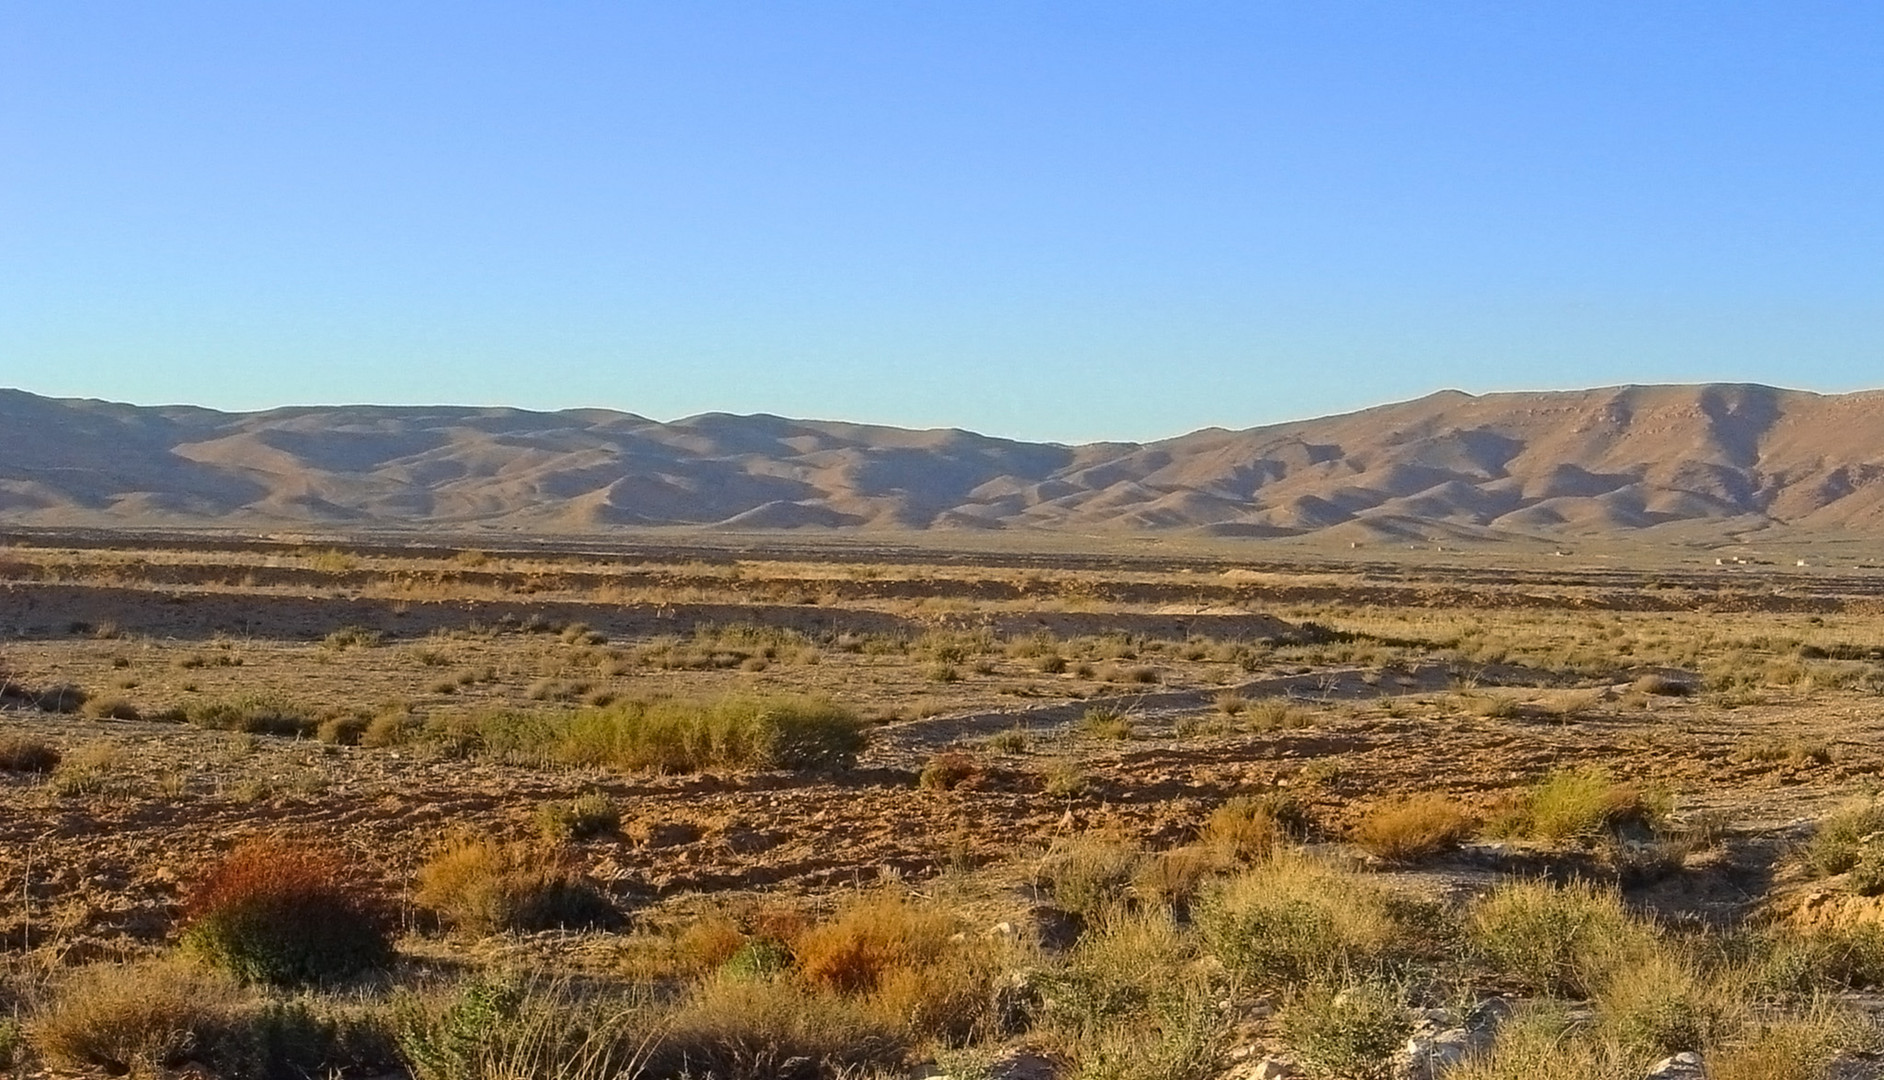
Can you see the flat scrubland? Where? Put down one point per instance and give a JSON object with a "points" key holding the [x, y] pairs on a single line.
{"points": [[272, 809]]}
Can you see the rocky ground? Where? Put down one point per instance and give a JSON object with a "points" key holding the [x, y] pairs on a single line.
{"points": [[1156, 718]]}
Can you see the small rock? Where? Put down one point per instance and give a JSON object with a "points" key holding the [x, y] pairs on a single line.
{"points": [[1056, 930], [1273, 1068], [1266, 1068], [1441, 1041], [1016, 1002], [1429, 1056], [1686, 1065], [1022, 1065], [1488, 1014]]}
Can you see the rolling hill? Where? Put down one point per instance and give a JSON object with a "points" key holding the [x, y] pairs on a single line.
{"points": [[1714, 459]]}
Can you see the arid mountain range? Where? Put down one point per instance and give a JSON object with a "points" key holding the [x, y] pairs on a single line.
{"points": [[1714, 460]]}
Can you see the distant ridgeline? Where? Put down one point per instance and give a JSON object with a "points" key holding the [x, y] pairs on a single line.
{"points": [[1706, 460]]}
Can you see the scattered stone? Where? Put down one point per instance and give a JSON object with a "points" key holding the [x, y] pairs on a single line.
{"points": [[1023, 1065], [1686, 1065], [1441, 1041], [1429, 1055], [1266, 1067], [1274, 1068], [1055, 929], [1017, 1002]]}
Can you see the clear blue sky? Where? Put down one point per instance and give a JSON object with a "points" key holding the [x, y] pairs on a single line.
{"points": [[1066, 221]]}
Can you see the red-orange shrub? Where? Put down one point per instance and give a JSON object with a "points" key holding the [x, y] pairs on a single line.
{"points": [[286, 913]]}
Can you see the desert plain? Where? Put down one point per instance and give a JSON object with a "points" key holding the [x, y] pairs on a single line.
{"points": [[766, 806]]}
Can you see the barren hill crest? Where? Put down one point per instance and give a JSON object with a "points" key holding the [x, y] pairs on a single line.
{"points": [[1705, 458]]}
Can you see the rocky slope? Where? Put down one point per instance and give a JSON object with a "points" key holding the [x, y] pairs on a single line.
{"points": [[1713, 459]]}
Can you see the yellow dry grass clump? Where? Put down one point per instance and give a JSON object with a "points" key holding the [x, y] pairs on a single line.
{"points": [[1412, 828]]}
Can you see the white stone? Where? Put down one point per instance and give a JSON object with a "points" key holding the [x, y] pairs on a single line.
{"points": [[1686, 1065]]}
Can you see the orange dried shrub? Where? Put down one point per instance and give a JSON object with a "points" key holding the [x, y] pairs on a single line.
{"points": [[1408, 829], [285, 913], [908, 964], [710, 941]]}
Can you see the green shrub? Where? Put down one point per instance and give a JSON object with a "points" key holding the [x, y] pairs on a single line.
{"points": [[1063, 778], [674, 736], [1352, 1033], [1579, 804], [1841, 840], [1540, 1040], [1088, 874], [1294, 919], [581, 818], [1662, 1003], [759, 958], [255, 714], [284, 914], [1810, 962], [1559, 940], [1802, 1047], [495, 1028], [1133, 1002]]}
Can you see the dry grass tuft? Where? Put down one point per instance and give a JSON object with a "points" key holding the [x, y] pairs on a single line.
{"points": [[485, 887], [1243, 829], [256, 714], [24, 753], [911, 963], [1088, 874], [135, 1018], [109, 708], [1406, 830], [947, 771], [1277, 714], [745, 1027], [1102, 722]]}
